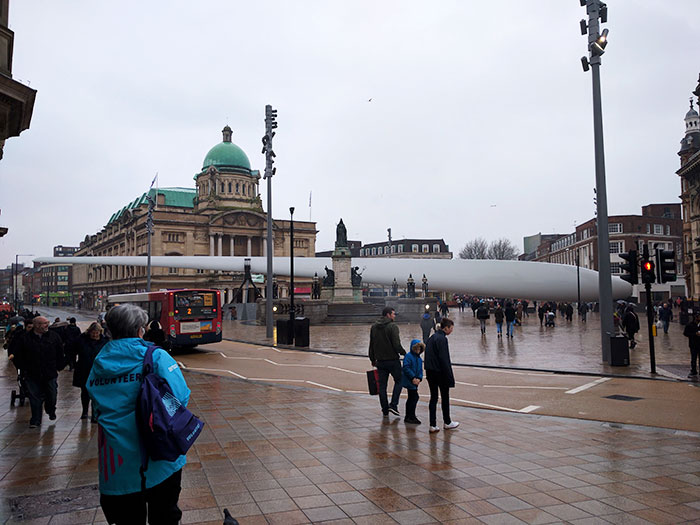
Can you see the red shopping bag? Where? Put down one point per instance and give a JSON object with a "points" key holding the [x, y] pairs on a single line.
{"points": [[373, 382]]}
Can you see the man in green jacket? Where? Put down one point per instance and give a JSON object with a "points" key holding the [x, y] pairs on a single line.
{"points": [[384, 352]]}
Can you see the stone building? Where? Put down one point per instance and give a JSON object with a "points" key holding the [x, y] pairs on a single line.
{"points": [[690, 196], [659, 225], [400, 249], [222, 216]]}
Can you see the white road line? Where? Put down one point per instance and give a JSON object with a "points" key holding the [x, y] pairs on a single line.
{"points": [[235, 374], [525, 386], [466, 384], [324, 386], [529, 409], [587, 386], [181, 364], [344, 370], [218, 370], [275, 379], [484, 405], [293, 364], [512, 372], [356, 391]]}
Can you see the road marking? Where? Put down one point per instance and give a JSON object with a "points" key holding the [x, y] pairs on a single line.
{"points": [[529, 409], [485, 405], [525, 386], [344, 370], [466, 384], [324, 386], [181, 364], [587, 386], [218, 370], [275, 379]]}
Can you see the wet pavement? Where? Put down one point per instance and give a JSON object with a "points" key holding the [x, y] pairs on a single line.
{"points": [[573, 347], [287, 454]]}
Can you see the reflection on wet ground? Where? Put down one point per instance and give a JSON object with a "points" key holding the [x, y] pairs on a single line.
{"points": [[574, 346]]}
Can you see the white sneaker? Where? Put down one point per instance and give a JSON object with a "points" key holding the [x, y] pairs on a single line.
{"points": [[434, 429], [452, 425]]}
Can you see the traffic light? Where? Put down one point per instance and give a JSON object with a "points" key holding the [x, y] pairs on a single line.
{"points": [[648, 273], [630, 267], [666, 265]]}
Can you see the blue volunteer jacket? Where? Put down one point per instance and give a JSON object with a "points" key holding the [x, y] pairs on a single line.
{"points": [[113, 385], [412, 368]]}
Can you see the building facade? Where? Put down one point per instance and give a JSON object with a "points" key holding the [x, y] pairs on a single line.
{"points": [[221, 216], [659, 226], [404, 248], [689, 173]]}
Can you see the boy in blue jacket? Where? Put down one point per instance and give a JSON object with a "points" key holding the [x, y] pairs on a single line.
{"points": [[411, 376]]}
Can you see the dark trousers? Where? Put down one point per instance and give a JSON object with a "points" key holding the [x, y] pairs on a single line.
{"points": [[41, 392], [694, 360], [411, 403], [130, 509], [386, 368], [84, 399], [438, 383]]}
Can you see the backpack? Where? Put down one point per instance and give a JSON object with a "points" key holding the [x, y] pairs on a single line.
{"points": [[167, 429]]}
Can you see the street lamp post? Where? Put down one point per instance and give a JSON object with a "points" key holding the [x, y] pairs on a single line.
{"points": [[149, 232], [291, 274], [270, 125], [598, 12], [578, 280]]}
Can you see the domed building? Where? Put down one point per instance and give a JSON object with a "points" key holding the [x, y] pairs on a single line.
{"points": [[222, 215]]}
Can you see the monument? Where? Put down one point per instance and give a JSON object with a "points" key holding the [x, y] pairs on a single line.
{"points": [[342, 284]]}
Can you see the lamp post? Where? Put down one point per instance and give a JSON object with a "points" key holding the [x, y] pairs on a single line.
{"points": [[270, 125], [149, 232], [578, 279], [14, 278], [597, 41], [291, 274]]}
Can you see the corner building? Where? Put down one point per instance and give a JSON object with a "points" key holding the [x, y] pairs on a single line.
{"points": [[222, 216]]}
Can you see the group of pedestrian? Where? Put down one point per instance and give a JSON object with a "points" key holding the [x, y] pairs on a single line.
{"points": [[385, 351]]}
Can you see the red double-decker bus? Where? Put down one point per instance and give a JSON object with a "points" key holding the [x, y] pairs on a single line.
{"points": [[188, 317]]}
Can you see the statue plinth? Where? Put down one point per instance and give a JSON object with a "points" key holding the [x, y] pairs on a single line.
{"points": [[342, 266]]}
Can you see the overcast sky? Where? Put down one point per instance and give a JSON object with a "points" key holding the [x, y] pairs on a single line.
{"points": [[480, 120]]}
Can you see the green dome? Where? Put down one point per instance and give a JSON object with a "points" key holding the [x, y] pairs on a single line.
{"points": [[226, 155]]}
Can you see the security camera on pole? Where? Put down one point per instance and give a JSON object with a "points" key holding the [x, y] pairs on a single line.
{"points": [[270, 125], [598, 13]]}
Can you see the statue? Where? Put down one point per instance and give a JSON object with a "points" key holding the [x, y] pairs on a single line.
{"points": [[341, 235], [315, 287], [410, 287], [356, 277], [329, 279], [394, 288]]}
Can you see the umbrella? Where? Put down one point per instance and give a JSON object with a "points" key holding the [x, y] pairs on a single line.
{"points": [[15, 319]]}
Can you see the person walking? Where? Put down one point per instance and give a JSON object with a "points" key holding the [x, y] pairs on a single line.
{"points": [[510, 315], [519, 314], [692, 332], [665, 316], [86, 349], [113, 385], [541, 312], [630, 322], [498, 317], [482, 314], [444, 310], [438, 372], [39, 355], [569, 312], [71, 333], [427, 325], [411, 377], [583, 311], [384, 352]]}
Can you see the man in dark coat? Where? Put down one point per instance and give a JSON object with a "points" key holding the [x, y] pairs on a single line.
{"points": [[630, 322], [438, 371], [70, 337], [692, 332], [384, 352], [39, 354]]}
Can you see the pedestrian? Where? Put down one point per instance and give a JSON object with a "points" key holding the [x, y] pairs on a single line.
{"points": [[113, 384], [384, 352], [665, 316], [155, 334], [569, 312], [692, 332], [411, 377], [86, 348], [630, 322], [438, 372], [71, 334], [482, 314], [427, 325], [519, 314], [510, 315], [583, 311], [540, 313], [498, 317], [39, 355], [475, 306], [444, 310]]}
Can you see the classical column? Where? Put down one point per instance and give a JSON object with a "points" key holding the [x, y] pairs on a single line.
{"points": [[232, 244], [264, 246], [249, 247], [211, 244], [220, 244]]}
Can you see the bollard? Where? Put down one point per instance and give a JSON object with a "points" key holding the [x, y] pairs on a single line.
{"points": [[653, 330]]}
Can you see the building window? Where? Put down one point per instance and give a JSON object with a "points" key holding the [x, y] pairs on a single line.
{"points": [[400, 248], [615, 227], [668, 229], [658, 229], [229, 187], [616, 247], [426, 248], [237, 188], [393, 248], [414, 248], [173, 237], [362, 252], [436, 248], [615, 268], [172, 271], [374, 250], [648, 229]]}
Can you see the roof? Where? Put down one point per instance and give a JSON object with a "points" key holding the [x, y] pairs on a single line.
{"points": [[226, 155], [178, 197]]}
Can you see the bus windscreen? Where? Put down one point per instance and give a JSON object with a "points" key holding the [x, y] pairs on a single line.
{"points": [[193, 304]]}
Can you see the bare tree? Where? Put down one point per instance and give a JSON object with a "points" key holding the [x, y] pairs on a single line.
{"points": [[502, 249], [476, 249]]}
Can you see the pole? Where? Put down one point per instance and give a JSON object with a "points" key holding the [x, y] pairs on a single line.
{"points": [[578, 280], [149, 231], [270, 125], [604, 279], [14, 285], [291, 274], [650, 322]]}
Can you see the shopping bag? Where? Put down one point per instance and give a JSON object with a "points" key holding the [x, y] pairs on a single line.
{"points": [[373, 382]]}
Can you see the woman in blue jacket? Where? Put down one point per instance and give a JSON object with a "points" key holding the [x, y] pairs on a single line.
{"points": [[411, 376], [113, 384]]}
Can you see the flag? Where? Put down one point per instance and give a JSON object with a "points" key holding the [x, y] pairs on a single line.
{"points": [[154, 180], [309, 199]]}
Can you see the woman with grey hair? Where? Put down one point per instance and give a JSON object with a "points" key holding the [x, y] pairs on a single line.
{"points": [[113, 385]]}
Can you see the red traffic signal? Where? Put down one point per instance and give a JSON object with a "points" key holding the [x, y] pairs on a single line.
{"points": [[648, 273]]}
